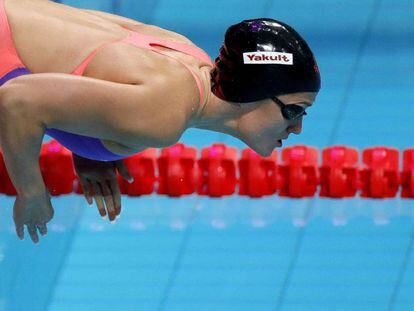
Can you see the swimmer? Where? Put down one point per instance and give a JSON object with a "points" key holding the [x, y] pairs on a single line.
{"points": [[107, 87]]}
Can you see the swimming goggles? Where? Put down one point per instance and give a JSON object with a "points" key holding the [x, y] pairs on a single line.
{"points": [[290, 112]]}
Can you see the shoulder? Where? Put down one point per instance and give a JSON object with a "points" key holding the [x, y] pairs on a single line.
{"points": [[171, 98], [170, 85]]}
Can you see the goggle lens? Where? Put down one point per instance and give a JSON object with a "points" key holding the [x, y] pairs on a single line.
{"points": [[290, 112], [293, 112]]}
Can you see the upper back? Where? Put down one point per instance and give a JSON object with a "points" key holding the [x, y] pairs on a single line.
{"points": [[50, 37], [53, 37]]}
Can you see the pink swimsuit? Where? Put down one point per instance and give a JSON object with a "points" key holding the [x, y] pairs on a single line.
{"points": [[89, 147]]}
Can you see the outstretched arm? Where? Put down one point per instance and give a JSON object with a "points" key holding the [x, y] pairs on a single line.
{"points": [[133, 115], [21, 141]]}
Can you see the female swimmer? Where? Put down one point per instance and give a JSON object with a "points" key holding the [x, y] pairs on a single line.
{"points": [[107, 87]]}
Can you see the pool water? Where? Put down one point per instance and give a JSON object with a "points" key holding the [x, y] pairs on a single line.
{"points": [[237, 253]]}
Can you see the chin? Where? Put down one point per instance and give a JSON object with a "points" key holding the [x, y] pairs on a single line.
{"points": [[264, 152]]}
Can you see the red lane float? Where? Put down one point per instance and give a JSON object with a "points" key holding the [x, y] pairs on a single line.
{"points": [[7, 186], [407, 175], [339, 172], [218, 170], [178, 171], [142, 167], [258, 175], [298, 174], [57, 168], [380, 176], [2, 171]]}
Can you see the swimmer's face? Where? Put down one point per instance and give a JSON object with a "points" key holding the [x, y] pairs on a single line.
{"points": [[263, 127]]}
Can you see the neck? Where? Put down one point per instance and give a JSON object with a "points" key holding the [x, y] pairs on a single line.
{"points": [[216, 114]]}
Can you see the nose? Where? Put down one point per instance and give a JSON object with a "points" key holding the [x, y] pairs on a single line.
{"points": [[295, 128]]}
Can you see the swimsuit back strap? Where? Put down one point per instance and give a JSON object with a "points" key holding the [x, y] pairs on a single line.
{"points": [[81, 68]]}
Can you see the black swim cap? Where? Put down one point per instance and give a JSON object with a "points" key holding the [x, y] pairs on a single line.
{"points": [[262, 58]]}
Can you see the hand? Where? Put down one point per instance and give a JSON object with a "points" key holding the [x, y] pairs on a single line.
{"points": [[34, 212], [99, 179]]}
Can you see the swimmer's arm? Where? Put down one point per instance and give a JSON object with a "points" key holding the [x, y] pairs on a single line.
{"points": [[129, 114], [21, 137], [133, 115]]}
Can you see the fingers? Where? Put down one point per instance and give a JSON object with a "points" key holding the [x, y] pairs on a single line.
{"points": [[20, 231], [116, 195], [109, 202], [33, 232], [123, 170], [101, 193], [35, 217], [32, 229], [104, 191], [85, 187], [42, 228], [97, 194]]}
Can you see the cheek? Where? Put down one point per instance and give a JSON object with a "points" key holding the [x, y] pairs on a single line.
{"points": [[273, 123], [264, 124]]}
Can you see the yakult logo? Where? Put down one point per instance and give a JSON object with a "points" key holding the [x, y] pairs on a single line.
{"points": [[268, 58]]}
